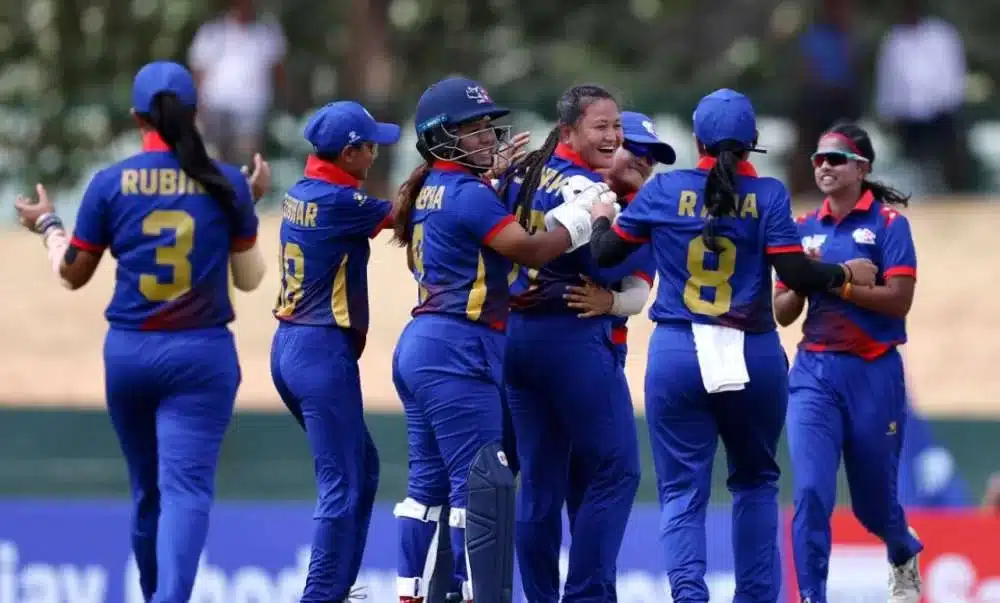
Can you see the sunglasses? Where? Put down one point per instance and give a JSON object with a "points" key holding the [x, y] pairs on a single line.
{"points": [[835, 158], [639, 150]]}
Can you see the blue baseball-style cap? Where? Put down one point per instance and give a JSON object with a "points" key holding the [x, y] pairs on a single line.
{"points": [[453, 101], [638, 129], [162, 76], [725, 115], [345, 123]]}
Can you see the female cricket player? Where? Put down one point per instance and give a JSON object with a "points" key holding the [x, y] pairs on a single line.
{"points": [[175, 221], [448, 363], [715, 365], [847, 390], [322, 309], [566, 385]]}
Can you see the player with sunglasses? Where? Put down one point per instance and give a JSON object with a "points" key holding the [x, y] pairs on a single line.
{"points": [[847, 392]]}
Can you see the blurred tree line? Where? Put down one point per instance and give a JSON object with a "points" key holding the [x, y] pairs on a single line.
{"points": [[68, 64]]}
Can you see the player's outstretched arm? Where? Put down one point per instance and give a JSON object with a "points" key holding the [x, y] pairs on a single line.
{"points": [[73, 263]]}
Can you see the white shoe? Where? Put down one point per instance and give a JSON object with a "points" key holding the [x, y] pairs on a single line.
{"points": [[904, 580]]}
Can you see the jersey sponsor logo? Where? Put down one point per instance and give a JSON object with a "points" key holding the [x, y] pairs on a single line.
{"points": [[863, 236]]}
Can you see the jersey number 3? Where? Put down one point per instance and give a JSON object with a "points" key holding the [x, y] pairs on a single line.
{"points": [[710, 282], [176, 256]]}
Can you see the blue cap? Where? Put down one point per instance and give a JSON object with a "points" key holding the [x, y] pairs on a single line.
{"points": [[346, 123], [638, 129], [454, 101], [725, 115], [162, 76]]}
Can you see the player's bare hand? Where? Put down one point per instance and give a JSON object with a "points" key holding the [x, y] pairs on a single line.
{"points": [[861, 272], [29, 210], [510, 153], [260, 178], [591, 298]]}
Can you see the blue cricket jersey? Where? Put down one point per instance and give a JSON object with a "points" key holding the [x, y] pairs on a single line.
{"points": [[171, 239], [732, 287], [455, 216]]}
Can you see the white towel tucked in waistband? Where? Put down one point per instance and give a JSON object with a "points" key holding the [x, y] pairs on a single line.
{"points": [[720, 358]]}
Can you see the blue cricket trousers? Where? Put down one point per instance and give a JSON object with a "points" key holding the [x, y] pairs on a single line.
{"points": [[569, 398], [315, 370], [842, 403], [448, 373], [685, 426], [170, 396]]}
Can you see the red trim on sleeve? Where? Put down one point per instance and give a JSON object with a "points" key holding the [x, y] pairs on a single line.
{"points": [[780, 285], [900, 271], [643, 276], [385, 223], [84, 245], [631, 238], [783, 249], [241, 244], [496, 229]]}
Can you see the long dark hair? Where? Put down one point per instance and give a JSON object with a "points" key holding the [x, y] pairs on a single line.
{"points": [[174, 122], [569, 109], [721, 196], [862, 145], [405, 199]]}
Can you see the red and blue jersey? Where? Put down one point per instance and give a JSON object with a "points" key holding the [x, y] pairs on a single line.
{"points": [[871, 230], [541, 290], [455, 216], [171, 240], [326, 225], [697, 285]]}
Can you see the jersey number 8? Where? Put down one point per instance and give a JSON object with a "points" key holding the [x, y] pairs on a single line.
{"points": [[293, 272], [176, 256], [710, 278]]}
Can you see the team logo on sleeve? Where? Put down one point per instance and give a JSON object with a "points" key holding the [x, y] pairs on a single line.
{"points": [[863, 236], [360, 197], [478, 94]]}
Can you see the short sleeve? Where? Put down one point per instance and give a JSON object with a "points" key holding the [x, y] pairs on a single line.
{"points": [[636, 221], [244, 229], [645, 264], [899, 256], [92, 231], [357, 214], [480, 209], [780, 232]]}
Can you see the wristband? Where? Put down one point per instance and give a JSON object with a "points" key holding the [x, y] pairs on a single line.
{"points": [[45, 222], [845, 291]]}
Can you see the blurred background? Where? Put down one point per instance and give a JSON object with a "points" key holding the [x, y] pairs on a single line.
{"points": [[921, 76]]}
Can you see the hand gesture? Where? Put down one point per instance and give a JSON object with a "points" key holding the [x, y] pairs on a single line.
{"points": [[259, 179], [861, 272], [591, 298], [29, 210]]}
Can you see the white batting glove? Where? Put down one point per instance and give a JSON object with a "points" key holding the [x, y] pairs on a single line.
{"points": [[574, 218], [580, 190]]}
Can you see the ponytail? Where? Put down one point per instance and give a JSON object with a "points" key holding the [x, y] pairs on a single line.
{"points": [[885, 193], [721, 197], [529, 170], [405, 200]]}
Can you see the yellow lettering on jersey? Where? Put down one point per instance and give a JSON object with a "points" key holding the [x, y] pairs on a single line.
{"points": [[430, 197], [338, 300], [155, 182], [550, 180], [688, 202], [685, 206], [299, 213]]}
